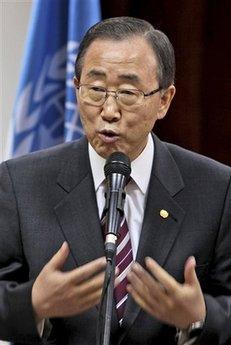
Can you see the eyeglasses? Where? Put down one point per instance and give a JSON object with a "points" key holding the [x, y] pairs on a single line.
{"points": [[97, 95]]}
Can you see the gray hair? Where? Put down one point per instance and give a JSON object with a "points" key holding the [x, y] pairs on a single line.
{"points": [[120, 28]]}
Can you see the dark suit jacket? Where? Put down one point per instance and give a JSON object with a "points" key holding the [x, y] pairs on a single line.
{"points": [[48, 197]]}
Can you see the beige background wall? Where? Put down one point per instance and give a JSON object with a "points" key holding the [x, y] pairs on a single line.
{"points": [[14, 17]]}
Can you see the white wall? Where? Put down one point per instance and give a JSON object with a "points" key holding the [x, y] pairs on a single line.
{"points": [[14, 17]]}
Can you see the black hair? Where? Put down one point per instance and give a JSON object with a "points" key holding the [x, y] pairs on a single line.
{"points": [[120, 28]]}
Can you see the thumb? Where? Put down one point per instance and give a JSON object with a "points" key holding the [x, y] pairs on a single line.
{"points": [[189, 271], [58, 260]]}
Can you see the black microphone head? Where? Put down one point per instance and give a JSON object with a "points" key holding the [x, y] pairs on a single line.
{"points": [[118, 163]]}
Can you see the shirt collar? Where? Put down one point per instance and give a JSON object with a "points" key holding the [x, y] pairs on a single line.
{"points": [[141, 166]]}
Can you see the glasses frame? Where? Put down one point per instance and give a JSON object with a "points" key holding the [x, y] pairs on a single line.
{"points": [[115, 93]]}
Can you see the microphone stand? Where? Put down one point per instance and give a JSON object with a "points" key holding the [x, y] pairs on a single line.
{"points": [[104, 326], [105, 312]]}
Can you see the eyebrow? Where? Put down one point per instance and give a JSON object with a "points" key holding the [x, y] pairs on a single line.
{"points": [[127, 76], [96, 73]]}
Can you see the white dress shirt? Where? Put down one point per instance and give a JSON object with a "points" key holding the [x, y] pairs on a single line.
{"points": [[136, 190]]}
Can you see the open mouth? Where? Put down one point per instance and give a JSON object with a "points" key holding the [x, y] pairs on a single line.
{"points": [[108, 136]]}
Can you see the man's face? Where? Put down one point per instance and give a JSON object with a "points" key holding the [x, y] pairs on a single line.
{"points": [[127, 64]]}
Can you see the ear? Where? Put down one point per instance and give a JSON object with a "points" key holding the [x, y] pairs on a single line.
{"points": [[165, 101], [76, 82]]}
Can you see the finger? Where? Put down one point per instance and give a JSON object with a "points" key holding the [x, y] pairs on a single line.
{"points": [[146, 284], [135, 279], [117, 278], [58, 260], [189, 271], [152, 310], [87, 271], [147, 281], [90, 286], [90, 300], [78, 305], [163, 277]]}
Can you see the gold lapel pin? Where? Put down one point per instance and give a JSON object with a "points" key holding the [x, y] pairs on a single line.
{"points": [[164, 214]]}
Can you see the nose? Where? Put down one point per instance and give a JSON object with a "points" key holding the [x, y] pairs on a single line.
{"points": [[110, 109]]}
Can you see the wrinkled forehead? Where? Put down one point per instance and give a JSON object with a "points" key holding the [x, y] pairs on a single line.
{"points": [[130, 45], [128, 58]]}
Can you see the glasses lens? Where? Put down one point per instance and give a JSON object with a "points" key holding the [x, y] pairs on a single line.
{"points": [[129, 97], [92, 94], [96, 95]]}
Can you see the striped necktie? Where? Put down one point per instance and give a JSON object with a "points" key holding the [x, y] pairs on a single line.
{"points": [[124, 260]]}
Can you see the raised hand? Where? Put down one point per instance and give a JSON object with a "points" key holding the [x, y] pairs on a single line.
{"points": [[163, 297], [56, 293]]}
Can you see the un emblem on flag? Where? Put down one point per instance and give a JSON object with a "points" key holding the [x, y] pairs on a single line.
{"points": [[46, 113]]}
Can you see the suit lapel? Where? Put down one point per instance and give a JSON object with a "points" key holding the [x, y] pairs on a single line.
{"points": [[77, 212], [158, 233]]}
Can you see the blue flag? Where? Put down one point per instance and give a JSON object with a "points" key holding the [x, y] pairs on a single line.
{"points": [[45, 111]]}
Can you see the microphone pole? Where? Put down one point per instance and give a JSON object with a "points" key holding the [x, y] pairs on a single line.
{"points": [[117, 171]]}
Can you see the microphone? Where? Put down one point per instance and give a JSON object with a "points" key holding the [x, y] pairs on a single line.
{"points": [[117, 171]]}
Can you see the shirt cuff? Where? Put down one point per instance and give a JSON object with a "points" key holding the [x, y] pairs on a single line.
{"points": [[183, 338], [40, 327]]}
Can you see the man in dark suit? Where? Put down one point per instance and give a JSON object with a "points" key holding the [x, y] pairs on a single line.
{"points": [[178, 209]]}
